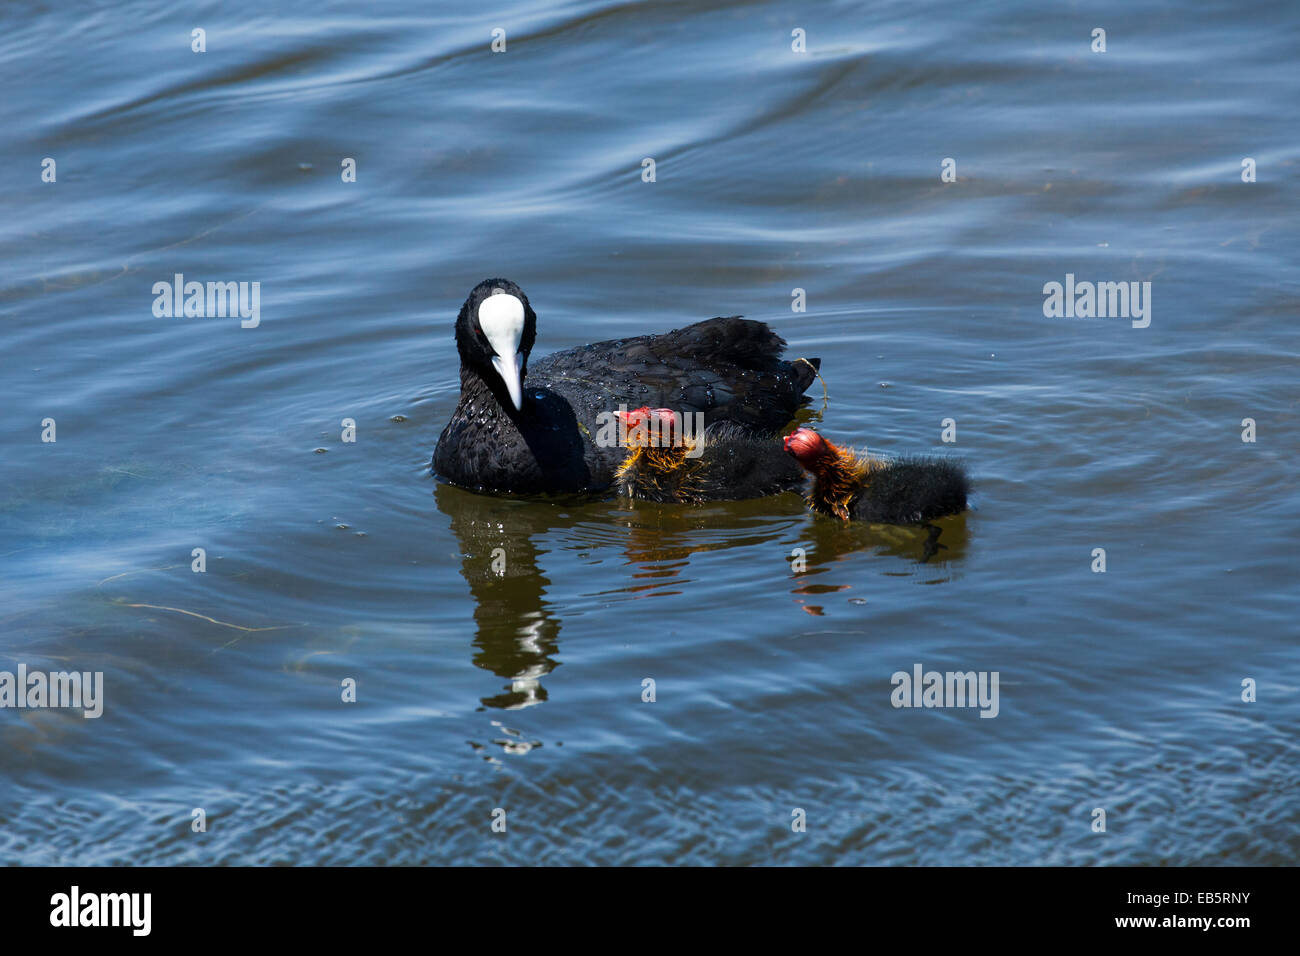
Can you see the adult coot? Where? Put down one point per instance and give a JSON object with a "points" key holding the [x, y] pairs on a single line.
{"points": [[548, 427], [898, 491]]}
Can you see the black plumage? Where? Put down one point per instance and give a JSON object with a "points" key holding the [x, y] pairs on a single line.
{"points": [[728, 368], [732, 463], [912, 490], [887, 491]]}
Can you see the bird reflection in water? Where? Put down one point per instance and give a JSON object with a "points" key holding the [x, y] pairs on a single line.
{"points": [[517, 628], [827, 542]]}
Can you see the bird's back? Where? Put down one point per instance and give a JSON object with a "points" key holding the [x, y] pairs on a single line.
{"points": [[913, 489], [729, 368]]}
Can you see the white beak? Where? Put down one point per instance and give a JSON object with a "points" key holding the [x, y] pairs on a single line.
{"points": [[501, 317], [509, 372]]}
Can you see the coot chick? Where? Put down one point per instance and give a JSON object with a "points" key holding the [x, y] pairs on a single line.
{"points": [[897, 491], [550, 427], [670, 462]]}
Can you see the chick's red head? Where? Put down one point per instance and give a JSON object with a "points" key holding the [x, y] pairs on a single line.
{"points": [[649, 426], [635, 417], [806, 446]]}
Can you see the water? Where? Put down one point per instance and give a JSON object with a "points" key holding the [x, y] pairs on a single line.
{"points": [[774, 171]]}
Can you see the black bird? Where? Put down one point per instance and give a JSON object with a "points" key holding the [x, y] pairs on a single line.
{"points": [[553, 427], [862, 488], [669, 460]]}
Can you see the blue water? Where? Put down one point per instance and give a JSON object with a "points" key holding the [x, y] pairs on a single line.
{"points": [[774, 171]]}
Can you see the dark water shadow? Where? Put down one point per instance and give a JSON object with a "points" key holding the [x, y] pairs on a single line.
{"points": [[925, 552], [502, 561], [517, 632]]}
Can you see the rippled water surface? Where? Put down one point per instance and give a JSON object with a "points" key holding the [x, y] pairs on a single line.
{"points": [[774, 170]]}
